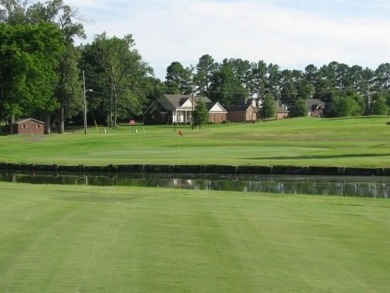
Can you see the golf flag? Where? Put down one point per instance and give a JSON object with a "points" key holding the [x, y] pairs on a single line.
{"points": [[180, 133]]}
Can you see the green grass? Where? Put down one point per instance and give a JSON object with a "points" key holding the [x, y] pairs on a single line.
{"points": [[347, 142], [128, 239]]}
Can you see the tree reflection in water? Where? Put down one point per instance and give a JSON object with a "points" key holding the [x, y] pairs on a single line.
{"points": [[377, 187]]}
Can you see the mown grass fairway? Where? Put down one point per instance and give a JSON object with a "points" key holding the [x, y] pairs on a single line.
{"points": [[345, 142], [117, 239]]}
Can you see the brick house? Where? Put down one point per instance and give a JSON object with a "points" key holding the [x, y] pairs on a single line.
{"points": [[170, 109], [242, 113], [315, 107], [28, 126]]}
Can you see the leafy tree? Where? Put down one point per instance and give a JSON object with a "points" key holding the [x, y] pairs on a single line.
{"points": [[66, 18], [119, 76], [379, 105], [242, 70], [29, 60], [68, 90], [200, 114], [12, 11], [257, 85], [226, 88], [289, 86], [268, 108], [382, 78], [205, 69], [273, 80], [178, 79], [298, 109], [63, 16], [344, 106]]}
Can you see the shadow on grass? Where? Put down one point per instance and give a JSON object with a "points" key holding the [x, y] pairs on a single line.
{"points": [[321, 157]]}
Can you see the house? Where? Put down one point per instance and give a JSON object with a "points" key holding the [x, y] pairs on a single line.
{"points": [[281, 112], [242, 113], [178, 109], [217, 113], [315, 107], [28, 126]]}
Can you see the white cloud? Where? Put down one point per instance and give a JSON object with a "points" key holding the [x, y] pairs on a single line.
{"points": [[276, 32]]}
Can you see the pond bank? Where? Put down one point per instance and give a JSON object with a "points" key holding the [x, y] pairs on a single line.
{"points": [[205, 169]]}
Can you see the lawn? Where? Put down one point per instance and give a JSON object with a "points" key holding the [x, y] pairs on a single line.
{"points": [[341, 142], [129, 239]]}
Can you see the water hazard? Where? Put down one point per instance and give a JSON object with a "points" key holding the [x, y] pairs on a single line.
{"points": [[375, 187]]}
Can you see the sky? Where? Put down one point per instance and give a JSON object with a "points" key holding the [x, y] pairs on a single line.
{"points": [[289, 33]]}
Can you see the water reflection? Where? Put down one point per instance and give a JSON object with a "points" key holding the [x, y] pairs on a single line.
{"points": [[378, 187]]}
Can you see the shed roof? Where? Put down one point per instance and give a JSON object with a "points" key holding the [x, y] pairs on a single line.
{"points": [[24, 120]]}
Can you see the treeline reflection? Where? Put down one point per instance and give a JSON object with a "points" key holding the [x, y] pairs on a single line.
{"points": [[376, 187]]}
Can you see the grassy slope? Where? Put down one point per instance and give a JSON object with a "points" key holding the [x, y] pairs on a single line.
{"points": [[114, 239], [362, 141]]}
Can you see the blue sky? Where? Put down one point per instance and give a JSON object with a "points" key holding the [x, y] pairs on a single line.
{"points": [[290, 33]]}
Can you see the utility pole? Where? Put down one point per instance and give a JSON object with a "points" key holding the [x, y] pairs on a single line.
{"points": [[85, 105]]}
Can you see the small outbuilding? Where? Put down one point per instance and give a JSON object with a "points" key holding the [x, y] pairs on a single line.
{"points": [[28, 126]]}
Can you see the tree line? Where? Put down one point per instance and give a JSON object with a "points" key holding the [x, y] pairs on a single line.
{"points": [[347, 90], [43, 74]]}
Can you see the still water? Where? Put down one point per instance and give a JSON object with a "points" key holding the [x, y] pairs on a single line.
{"points": [[376, 187]]}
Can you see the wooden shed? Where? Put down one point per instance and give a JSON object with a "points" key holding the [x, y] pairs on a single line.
{"points": [[28, 126]]}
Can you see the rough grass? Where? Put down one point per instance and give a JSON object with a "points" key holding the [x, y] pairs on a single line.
{"points": [[116, 239]]}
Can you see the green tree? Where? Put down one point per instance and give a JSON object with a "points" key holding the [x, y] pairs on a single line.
{"points": [[298, 109], [273, 81], [268, 108], [344, 106], [257, 86], [68, 91], [205, 69], [226, 88], [200, 114], [118, 75], [29, 60], [178, 79], [379, 105], [13, 11]]}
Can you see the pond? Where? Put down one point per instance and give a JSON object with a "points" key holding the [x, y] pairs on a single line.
{"points": [[375, 187]]}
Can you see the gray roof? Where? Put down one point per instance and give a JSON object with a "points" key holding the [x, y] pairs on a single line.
{"points": [[313, 104], [172, 102]]}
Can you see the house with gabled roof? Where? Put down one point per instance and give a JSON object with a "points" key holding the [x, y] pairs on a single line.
{"points": [[217, 113], [315, 107], [242, 113], [170, 109]]}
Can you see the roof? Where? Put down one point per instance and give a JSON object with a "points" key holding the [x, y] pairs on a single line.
{"points": [[24, 120], [313, 104], [240, 108], [279, 108], [215, 108], [172, 102]]}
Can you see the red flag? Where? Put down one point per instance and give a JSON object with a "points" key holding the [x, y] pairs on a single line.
{"points": [[180, 133]]}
